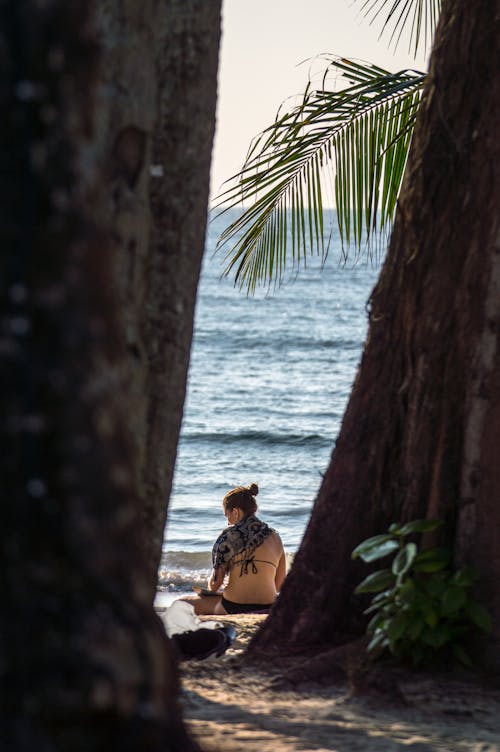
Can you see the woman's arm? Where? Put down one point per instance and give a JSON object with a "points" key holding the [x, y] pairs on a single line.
{"points": [[216, 578], [280, 572]]}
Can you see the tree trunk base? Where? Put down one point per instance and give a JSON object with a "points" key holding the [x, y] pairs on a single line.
{"points": [[340, 664], [349, 667]]}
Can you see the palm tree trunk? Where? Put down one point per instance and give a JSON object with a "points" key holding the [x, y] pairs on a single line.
{"points": [[84, 660], [422, 428]]}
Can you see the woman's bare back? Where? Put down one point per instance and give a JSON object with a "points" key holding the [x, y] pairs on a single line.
{"points": [[257, 577]]}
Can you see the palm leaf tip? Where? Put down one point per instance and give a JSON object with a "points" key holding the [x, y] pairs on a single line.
{"points": [[415, 19], [356, 138]]}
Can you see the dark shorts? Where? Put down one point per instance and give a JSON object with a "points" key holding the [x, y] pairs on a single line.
{"points": [[244, 608]]}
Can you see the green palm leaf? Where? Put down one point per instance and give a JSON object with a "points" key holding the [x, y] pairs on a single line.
{"points": [[418, 16], [358, 135]]}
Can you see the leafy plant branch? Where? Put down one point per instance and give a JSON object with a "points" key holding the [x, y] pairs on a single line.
{"points": [[422, 610], [352, 143], [360, 135]]}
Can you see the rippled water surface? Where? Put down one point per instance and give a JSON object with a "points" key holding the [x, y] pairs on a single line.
{"points": [[269, 380]]}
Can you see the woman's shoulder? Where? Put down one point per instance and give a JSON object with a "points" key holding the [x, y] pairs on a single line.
{"points": [[275, 536]]}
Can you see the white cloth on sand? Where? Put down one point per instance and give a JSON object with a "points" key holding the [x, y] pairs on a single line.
{"points": [[180, 617]]}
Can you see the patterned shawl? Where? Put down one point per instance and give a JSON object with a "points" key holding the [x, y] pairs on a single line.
{"points": [[246, 535]]}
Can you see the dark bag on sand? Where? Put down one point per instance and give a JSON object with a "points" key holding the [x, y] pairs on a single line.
{"points": [[202, 643]]}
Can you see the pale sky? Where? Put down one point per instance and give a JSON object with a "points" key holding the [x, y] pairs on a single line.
{"points": [[263, 44]]}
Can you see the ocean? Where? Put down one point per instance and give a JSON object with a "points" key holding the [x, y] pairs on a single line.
{"points": [[269, 379]]}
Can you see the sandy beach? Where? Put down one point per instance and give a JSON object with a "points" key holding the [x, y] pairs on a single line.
{"points": [[229, 705]]}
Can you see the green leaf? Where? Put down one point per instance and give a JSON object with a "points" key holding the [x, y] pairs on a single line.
{"points": [[375, 622], [379, 641], [383, 601], [453, 599], [379, 580], [479, 615], [431, 554], [395, 528], [429, 613], [375, 548], [417, 16], [420, 526], [432, 588], [396, 627], [433, 636], [429, 566], [437, 636], [358, 135], [404, 559], [386, 595], [407, 592], [415, 628], [433, 560], [465, 577]]}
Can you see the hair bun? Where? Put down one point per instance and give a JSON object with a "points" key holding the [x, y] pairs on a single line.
{"points": [[254, 489]]}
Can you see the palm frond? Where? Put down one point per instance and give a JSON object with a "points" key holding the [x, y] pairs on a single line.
{"points": [[419, 16], [358, 135]]}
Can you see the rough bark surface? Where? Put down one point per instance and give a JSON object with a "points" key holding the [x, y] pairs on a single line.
{"points": [[84, 660], [157, 119], [420, 436]]}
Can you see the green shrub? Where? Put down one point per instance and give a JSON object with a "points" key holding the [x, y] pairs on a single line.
{"points": [[422, 610]]}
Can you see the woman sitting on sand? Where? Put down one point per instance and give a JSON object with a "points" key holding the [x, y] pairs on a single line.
{"points": [[251, 553]]}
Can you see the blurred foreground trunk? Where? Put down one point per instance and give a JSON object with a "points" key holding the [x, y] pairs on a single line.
{"points": [[421, 434], [108, 118]]}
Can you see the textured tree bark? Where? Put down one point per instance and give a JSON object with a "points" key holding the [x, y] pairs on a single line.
{"points": [[156, 126], [420, 436], [84, 660]]}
